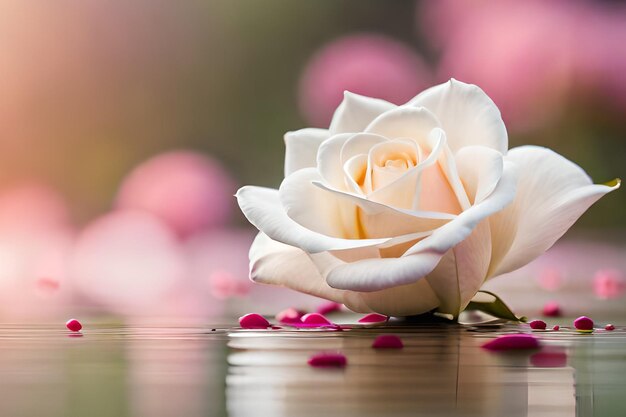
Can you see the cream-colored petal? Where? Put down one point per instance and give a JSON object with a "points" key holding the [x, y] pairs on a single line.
{"points": [[356, 112], [553, 193], [378, 220], [462, 271], [329, 163], [480, 169], [263, 209], [404, 122], [301, 148], [275, 263], [466, 113]]}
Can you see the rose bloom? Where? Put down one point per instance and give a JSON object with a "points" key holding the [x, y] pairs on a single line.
{"points": [[406, 209]]}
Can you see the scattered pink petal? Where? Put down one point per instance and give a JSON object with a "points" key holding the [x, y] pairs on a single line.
{"points": [[583, 324], [608, 283], [290, 315], [254, 321], [556, 328], [73, 325], [552, 309], [538, 325], [549, 359], [328, 307], [512, 342], [373, 318], [328, 360], [388, 341], [316, 319], [609, 327]]}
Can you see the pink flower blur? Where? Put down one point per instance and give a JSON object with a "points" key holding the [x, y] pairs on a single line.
{"points": [[518, 64], [608, 283], [35, 243], [128, 261], [187, 190], [366, 64]]}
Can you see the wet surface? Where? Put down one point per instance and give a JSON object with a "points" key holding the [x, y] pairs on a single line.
{"points": [[196, 371]]}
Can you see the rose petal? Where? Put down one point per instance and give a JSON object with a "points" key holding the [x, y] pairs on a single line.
{"points": [[552, 309], [315, 319], [404, 122], [324, 360], [275, 263], [263, 209], [373, 318], [512, 342], [480, 169], [356, 112], [537, 325], [253, 321], [583, 323], [73, 325], [290, 315], [328, 307], [467, 114], [387, 341], [301, 148], [547, 203]]}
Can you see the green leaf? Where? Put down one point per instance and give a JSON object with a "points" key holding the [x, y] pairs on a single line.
{"points": [[489, 303]]}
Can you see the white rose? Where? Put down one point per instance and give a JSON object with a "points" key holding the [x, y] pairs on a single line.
{"points": [[405, 209]]}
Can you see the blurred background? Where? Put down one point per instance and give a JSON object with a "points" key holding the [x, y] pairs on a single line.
{"points": [[126, 127]]}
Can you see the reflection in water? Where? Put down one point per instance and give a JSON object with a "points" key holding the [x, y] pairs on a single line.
{"points": [[144, 371], [441, 371]]}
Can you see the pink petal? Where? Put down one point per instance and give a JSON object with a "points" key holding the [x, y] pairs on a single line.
{"points": [[254, 321], [538, 325], [512, 341], [583, 323], [556, 328], [388, 341], [552, 309], [316, 319], [290, 315], [328, 360], [373, 318], [73, 325], [328, 307], [609, 327]]}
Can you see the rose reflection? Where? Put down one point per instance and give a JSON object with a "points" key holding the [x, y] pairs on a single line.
{"points": [[440, 371]]}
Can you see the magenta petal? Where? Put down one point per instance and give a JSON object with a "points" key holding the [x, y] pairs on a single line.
{"points": [[583, 323], [253, 321], [373, 318], [609, 327], [290, 315], [552, 309], [538, 325], [73, 325], [315, 319], [328, 307], [328, 360], [388, 341], [512, 341]]}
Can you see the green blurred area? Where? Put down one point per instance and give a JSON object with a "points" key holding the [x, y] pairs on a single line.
{"points": [[89, 90]]}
